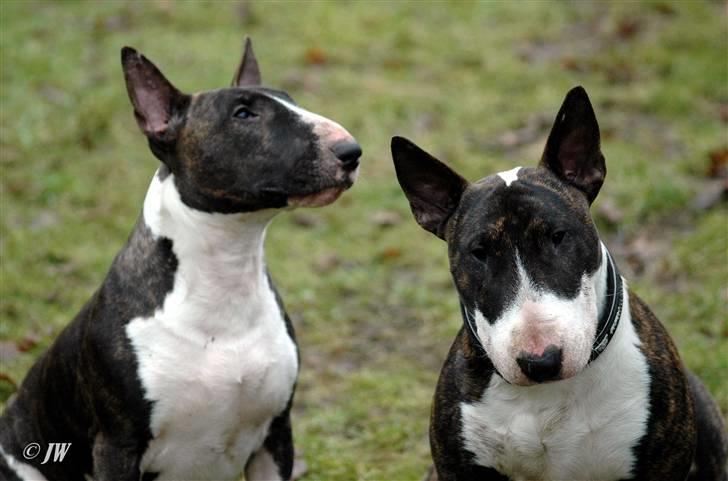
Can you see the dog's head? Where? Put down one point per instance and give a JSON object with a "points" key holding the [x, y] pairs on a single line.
{"points": [[242, 148], [524, 252]]}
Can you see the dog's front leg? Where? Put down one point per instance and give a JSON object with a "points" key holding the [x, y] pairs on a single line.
{"points": [[115, 459], [274, 460]]}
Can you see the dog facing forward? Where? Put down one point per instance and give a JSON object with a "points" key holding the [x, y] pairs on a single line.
{"points": [[183, 364], [559, 372]]}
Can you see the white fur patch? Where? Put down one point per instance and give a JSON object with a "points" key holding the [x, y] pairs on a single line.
{"points": [[215, 359], [578, 428], [24, 471], [329, 133], [328, 130], [262, 467], [536, 319], [509, 176]]}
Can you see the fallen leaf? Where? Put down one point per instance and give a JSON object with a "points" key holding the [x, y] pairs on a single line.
{"points": [[573, 64], [27, 343], [628, 28], [664, 8], [9, 380], [316, 56], [718, 167], [391, 253]]}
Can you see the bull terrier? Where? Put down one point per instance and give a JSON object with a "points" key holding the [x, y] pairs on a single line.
{"points": [[559, 371], [183, 364]]}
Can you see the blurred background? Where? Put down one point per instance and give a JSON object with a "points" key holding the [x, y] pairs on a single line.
{"points": [[477, 84]]}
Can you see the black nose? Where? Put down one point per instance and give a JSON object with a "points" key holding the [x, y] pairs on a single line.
{"points": [[541, 368], [348, 153]]}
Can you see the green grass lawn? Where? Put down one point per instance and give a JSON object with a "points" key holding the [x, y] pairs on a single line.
{"points": [[477, 84]]}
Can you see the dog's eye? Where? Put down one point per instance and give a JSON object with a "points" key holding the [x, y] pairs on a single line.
{"points": [[243, 113], [480, 253], [557, 237]]}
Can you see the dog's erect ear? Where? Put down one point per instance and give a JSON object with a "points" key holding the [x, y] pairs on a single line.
{"points": [[432, 188], [157, 103], [572, 150], [248, 72]]}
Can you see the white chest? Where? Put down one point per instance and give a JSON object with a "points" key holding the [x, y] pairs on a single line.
{"points": [[213, 396], [579, 428], [215, 359]]}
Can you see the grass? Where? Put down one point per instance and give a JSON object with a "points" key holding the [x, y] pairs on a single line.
{"points": [[373, 303]]}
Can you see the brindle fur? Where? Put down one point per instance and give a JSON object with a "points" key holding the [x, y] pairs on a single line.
{"points": [[85, 388], [684, 424]]}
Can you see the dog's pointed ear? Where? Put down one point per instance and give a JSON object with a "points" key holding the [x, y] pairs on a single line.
{"points": [[573, 148], [157, 103], [248, 72], [432, 188]]}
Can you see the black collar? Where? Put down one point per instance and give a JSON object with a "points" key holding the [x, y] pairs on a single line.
{"points": [[612, 311], [608, 321]]}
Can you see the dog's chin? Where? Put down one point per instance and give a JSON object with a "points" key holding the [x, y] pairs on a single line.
{"points": [[327, 195], [319, 199]]}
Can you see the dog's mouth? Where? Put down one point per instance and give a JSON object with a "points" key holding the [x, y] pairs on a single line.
{"points": [[324, 196], [318, 199]]}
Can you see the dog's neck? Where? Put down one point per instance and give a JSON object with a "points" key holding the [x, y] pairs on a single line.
{"points": [[218, 254], [610, 297]]}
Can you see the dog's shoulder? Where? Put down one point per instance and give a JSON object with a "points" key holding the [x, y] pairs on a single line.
{"points": [[671, 424]]}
